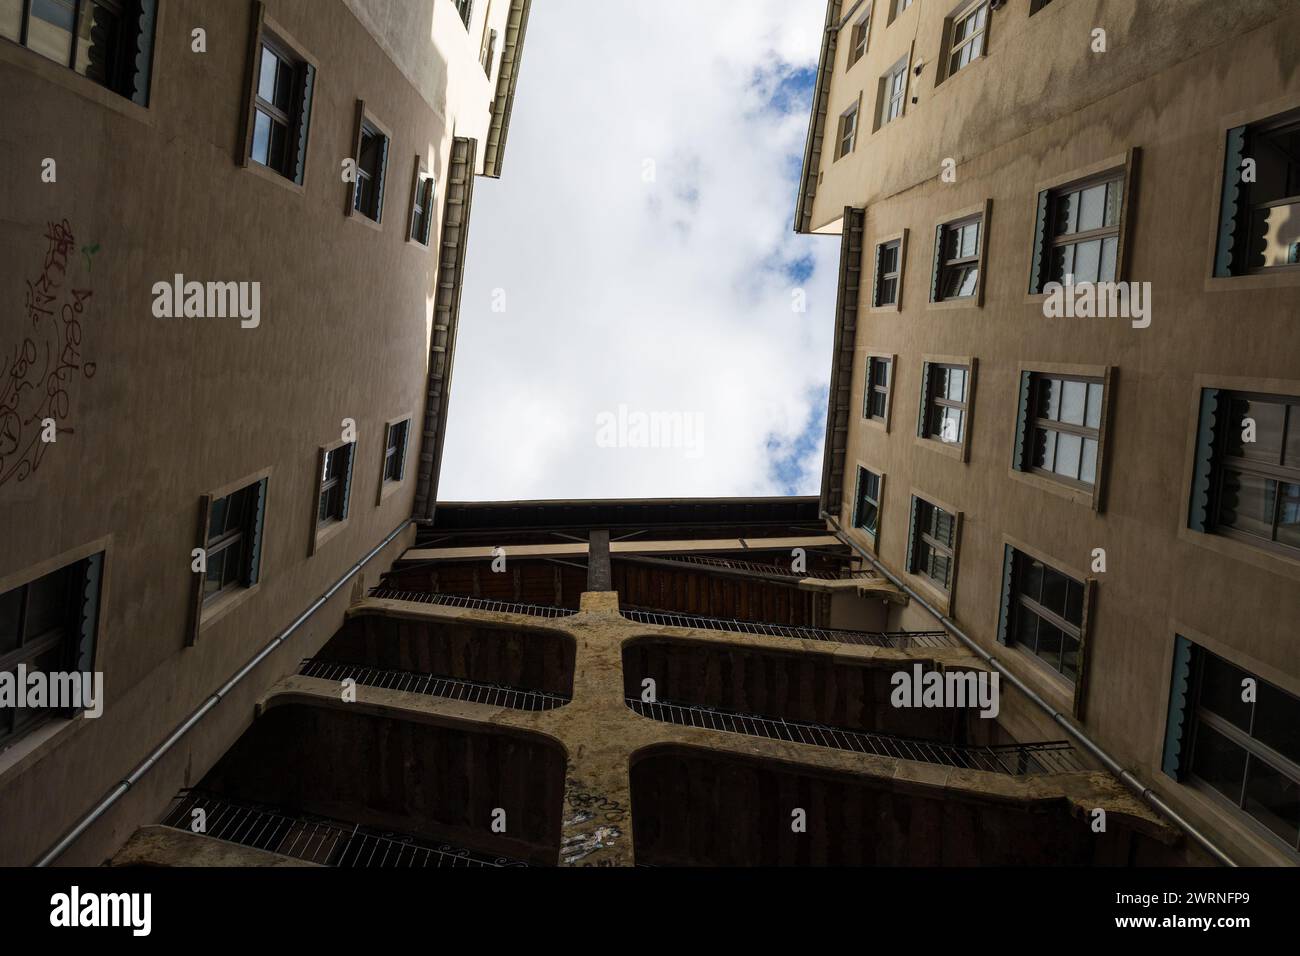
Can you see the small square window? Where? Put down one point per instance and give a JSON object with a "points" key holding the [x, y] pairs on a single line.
{"points": [[335, 484], [234, 524]]}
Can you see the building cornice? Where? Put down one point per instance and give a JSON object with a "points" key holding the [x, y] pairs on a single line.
{"points": [[507, 78], [812, 153]]}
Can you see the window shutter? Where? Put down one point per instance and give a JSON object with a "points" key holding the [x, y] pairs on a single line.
{"points": [[383, 176], [1037, 275], [304, 122], [857, 498], [259, 519], [1022, 421], [347, 481], [911, 534], [1230, 257], [924, 408], [1085, 638], [1004, 611], [937, 266], [196, 594], [1198, 514], [88, 618], [406, 440], [875, 281], [1176, 720], [141, 53]]}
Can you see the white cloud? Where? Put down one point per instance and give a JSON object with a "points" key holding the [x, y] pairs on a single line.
{"points": [[668, 296]]}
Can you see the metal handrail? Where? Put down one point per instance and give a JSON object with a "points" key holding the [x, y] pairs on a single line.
{"points": [[1013, 759], [434, 685], [899, 640], [469, 603]]}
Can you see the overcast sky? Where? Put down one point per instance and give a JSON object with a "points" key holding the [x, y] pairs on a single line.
{"points": [[640, 245]]}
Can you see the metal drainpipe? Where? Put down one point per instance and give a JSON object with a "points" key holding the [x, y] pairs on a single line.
{"points": [[1088, 744], [131, 779]]}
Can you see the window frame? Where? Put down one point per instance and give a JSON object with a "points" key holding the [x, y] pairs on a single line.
{"points": [[860, 36], [878, 501], [1077, 632], [422, 179], [1093, 496], [323, 529], [964, 11], [881, 243], [388, 486], [465, 11], [847, 130], [897, 8], [368, 123], [870, 389], [917, 539], [306, 69], [1279, 472], [204, 612], [946, 266], [1034, 425], [1198, 715], [1270, 120], [886, 97], [968, 364]]}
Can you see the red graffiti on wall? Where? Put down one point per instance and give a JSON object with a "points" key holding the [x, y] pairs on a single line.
{"points": [[42, 367]]}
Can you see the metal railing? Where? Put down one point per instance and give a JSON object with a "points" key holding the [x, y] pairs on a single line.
{"points": [[313, 839], [471, 603], [729, 564], [1014, 759], [899, 640], [447, 688]]}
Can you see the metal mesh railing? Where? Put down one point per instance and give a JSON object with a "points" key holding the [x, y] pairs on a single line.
{"points": [[1014, 759], [899, 640], [448, 688], [471, 603], [313, 839], [729, 564]]}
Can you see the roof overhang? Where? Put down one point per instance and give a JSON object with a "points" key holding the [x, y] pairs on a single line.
{"points": [[494, 146], [812, 153]]}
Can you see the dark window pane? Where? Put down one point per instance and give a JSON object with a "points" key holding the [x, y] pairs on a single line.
{"points": [[216, 568], [1293, 438], [11, 604], [1269, 418], [1288, 528], [1246, 503], [1050, 640], [1277, 721], [1274, 800], [1074, 603], [1219, 762], [1026, 629], [888, 291], [99, 44], [217, 518], [1055, 587], [1069, 657], [889, 257], [1221, 689], [877, 404], [48, 605], [277, 153], [261, 138], [284, 87], [1031, 578], [1049, 399]]}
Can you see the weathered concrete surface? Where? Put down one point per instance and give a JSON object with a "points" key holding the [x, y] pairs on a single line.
{"points": [[167, 846]]}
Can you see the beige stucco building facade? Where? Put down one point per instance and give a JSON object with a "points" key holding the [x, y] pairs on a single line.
{"points": [[317, 156], [988, 451]]}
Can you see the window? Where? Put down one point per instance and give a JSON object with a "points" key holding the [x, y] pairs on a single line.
{"points": [[1252, 487], [879, 372], [896, 7], [893, 88], [1036, 5], [1259, 220], [490, 54], [372, 163], [966, 36], [848, 132], [421, 205], [234, 523], [889, 268], [859, 36], [944, 401], [335, 484], [1044, 613], [465, 8], [1246, 750], [866, 509], [48, 625], [281, 111], [1063, 428], [934, 544], [957, 260], [395, 451], [107, 41], [1079, 229]]}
